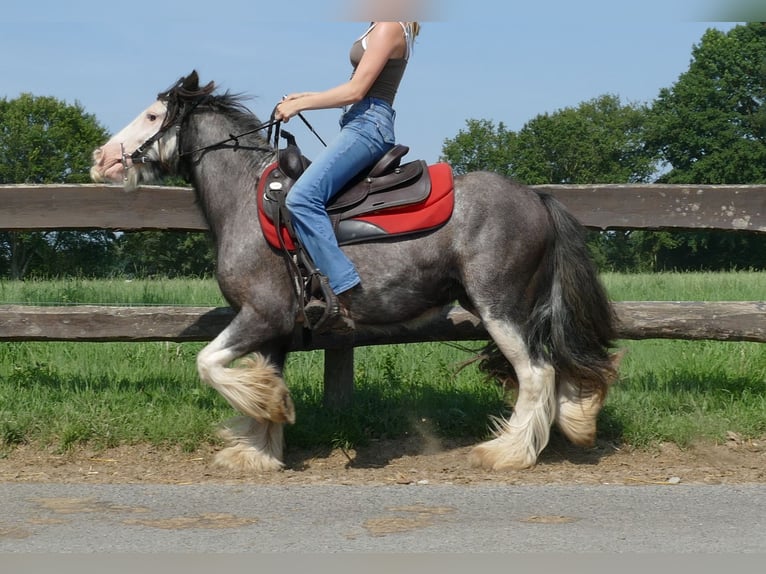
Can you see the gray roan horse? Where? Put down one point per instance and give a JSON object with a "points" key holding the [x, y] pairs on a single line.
{"points": [[512, 256]]}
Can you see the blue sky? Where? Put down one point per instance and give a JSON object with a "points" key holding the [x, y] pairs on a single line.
{"points": [[501, 60]]}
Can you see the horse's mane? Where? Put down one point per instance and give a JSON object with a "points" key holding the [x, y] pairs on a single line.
{"points": [[188, 91], [233, 105]]}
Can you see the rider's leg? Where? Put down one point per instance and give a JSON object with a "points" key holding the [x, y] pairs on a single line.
{"points": [[366, 134]]}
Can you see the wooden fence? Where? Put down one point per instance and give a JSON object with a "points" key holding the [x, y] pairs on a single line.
{"points": [[740, 208]]}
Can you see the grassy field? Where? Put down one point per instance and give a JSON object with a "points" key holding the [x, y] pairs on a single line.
{"points": [[63, 394]]}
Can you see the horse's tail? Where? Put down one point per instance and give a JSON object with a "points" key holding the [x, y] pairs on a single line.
{"points": [[572, 323]]}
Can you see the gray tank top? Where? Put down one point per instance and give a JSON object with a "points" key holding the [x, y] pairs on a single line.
{"points": [[387, 83]]}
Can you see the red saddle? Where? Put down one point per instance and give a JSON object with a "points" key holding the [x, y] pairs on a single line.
{"points": [[405, 199]]}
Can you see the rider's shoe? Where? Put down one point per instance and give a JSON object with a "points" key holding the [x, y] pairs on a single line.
{"points": [[330, 318]]}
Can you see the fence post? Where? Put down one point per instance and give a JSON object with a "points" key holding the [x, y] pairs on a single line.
{"points": [[338, 377]]}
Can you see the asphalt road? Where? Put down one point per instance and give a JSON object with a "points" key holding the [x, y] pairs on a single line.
{"points": [[80, 518]]}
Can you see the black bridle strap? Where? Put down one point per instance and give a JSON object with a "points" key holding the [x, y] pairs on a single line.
{"points": [[138, 157], [233, 138]]}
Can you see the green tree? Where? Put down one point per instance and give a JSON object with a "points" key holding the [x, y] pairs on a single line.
{"points": [[481, 146], [166, 254], [44, 140], [599, 141], [710, 128]]}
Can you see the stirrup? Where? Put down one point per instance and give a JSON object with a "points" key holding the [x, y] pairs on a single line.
{"points": [[329, 315]]}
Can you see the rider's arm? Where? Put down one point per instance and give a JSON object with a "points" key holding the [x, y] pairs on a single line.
{"points": [[384, 41]]}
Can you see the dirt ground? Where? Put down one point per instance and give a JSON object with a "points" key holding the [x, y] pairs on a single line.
{"points": [[416, 461]]}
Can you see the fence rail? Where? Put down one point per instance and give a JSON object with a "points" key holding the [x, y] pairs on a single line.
{"points": [[696, 320], [651, 206], [740, 208]]}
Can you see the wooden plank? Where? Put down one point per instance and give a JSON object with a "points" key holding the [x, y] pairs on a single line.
{"points": [[30, 207], [101, 324], [338, 377], [651, 206], [691, 320], [694, 320]]}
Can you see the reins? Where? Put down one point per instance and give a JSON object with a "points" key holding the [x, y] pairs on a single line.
{"points": [[139, 155], [235, 139]]}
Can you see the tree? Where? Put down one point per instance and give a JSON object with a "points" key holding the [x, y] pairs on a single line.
{"points": [[44, 140], [710, 128], [166, 254], [599, 141], [482, 146]]}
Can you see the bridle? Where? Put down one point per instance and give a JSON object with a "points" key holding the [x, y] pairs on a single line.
{"points": [[178, 110], [181, 110]]}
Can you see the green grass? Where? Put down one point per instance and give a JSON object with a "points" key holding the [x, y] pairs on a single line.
{"points": [[733, 286], [60, 395], [190, 292], [682, 391]]}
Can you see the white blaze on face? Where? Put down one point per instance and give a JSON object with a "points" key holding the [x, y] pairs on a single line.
{"points": [[107, 160]]}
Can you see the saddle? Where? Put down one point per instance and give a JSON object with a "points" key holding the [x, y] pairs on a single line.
{"points": [[389, 199]]}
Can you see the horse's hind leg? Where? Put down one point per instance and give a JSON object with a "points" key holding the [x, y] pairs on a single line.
{"points": [[577, 410], [579, 403], [256, 389], [519, 440]]}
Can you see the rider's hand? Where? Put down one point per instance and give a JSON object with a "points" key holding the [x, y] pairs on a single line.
{"points": [[289, 106], [285, 110]]}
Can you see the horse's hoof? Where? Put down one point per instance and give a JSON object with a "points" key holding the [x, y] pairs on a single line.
{"points": [[252, 446], [577, 413], [494, 455], [245, 459], [579, 433]]}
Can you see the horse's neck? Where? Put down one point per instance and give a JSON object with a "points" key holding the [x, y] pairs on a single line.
{"points": [[226, 179]]}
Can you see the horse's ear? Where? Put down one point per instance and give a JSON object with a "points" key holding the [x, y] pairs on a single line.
{"points": [[191, 82], [190, 86]]}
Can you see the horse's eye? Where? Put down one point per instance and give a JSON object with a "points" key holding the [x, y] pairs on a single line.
{"points": [[152, 117]]}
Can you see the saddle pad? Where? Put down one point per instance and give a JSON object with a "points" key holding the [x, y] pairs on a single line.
{"points": [[429, 214]]}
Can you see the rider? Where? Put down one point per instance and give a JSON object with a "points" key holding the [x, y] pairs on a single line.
{"points": [[379, 58]]}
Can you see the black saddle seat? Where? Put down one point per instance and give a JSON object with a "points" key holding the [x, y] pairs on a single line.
{"points": [[292, 163], [390, 160]]}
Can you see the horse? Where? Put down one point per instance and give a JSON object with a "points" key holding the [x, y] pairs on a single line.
{"points": [[511, 255]]}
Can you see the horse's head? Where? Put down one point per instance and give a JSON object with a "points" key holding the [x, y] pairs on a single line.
{"points": [[146, 148]]}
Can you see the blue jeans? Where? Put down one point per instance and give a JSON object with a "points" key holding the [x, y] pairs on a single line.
{"points": [[366, 134]]}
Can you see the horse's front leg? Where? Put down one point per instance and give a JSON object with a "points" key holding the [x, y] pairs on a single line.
{"points": [[255, 388], [519, 440]]}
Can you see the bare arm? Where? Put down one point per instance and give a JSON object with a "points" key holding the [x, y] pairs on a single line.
{"points": [[383, 42]]}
